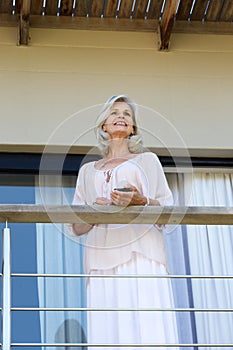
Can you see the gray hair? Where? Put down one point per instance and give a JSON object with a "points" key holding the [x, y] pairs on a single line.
{"points": [[134, 141]]}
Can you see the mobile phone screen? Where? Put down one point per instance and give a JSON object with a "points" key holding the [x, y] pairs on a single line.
{"points": [[123, 189]]}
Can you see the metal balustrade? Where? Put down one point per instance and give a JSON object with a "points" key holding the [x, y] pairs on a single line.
{"points": [[140, 215]]}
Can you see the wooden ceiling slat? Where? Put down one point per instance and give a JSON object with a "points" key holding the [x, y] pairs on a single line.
{"points": [[184, 9], [96, 8], [125, 8], [110, 9], [36, 7], [140, 9], [155, 9], [227, 11], [199, 10], [6, 6], [81, 8], [66, 7], [51, 8], [214, 10]]}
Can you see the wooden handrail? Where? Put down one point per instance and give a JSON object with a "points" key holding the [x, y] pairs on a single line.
{"points": [[97, 214]]}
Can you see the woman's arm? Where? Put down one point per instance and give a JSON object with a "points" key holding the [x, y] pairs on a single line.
{"points": [[81, 229], [151, 201]]}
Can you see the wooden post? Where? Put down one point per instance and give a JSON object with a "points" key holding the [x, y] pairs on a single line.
{"points": [[23, 25], [166, 23]]}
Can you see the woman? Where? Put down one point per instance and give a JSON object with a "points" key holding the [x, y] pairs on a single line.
{"points": [[125, 249]]}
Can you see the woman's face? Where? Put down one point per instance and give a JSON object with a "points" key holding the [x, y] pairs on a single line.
{"points": [[119, 123]]}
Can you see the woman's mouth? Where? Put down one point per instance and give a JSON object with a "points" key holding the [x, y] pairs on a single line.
{"points": [[121, 122]]}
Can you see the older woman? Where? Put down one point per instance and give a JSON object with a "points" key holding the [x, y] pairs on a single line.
{"points": [[125, 176]]}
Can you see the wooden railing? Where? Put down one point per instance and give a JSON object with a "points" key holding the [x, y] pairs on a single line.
{"points": [[113, 214]]}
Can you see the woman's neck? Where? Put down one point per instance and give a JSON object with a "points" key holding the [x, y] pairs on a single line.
{"points": [[118, 149]]}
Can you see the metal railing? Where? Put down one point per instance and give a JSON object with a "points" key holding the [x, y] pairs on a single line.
{"points": [[105, 214]]}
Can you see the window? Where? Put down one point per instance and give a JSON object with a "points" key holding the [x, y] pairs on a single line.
{"points": [[43, 248]]}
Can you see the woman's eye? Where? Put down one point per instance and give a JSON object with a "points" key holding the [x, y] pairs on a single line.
{"points": [[127, 114]]}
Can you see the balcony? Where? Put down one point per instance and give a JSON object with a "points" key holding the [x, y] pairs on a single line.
{"points": [[140, 215]]}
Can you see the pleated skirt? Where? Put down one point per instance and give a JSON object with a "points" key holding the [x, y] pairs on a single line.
{"points": [[131, 327]]}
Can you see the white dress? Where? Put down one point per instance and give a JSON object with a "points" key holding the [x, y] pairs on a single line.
{"points": [[130, 249]]}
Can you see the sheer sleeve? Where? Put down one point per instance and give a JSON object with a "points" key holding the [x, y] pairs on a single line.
{"points": [[154, 181], [79, 194], [78, 198]]}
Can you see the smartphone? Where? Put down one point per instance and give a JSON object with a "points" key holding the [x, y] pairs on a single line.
{"points": [[123, 189]]}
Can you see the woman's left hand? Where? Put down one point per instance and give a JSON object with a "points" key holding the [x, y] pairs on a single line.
{"points": [[122, 198], [102, 201]]}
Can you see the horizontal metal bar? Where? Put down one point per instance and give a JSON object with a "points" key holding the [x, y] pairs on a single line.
{"points": [[122, 345], [120, 309], [77, 275], [103, 214]]}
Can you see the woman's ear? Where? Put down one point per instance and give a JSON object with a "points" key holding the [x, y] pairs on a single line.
{"points": [[133, 132], [104, 127]]}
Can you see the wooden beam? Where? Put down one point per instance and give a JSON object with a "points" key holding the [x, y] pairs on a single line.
{"points": [[199, 27], [23, 24], [118, 24], [166, 23], [94, 23], [116, 215]]}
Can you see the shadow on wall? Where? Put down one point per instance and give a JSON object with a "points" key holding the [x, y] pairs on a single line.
{"points": [[70, 331]]}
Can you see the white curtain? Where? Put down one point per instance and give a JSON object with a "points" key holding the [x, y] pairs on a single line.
{"points": [[211, 253], [57, 253], [178, 260]]}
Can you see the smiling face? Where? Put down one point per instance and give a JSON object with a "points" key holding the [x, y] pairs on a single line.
{"points": [[120, 122]]}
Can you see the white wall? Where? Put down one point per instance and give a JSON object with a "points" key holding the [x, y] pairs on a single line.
{"points": [[63, 72]]}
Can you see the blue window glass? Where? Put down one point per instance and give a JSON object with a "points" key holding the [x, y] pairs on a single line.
{"points": [[19, 189]]}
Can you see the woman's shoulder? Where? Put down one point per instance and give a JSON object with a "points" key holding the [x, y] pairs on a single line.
{"points": [[148, 161], [86, 166], [148, 156]]}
